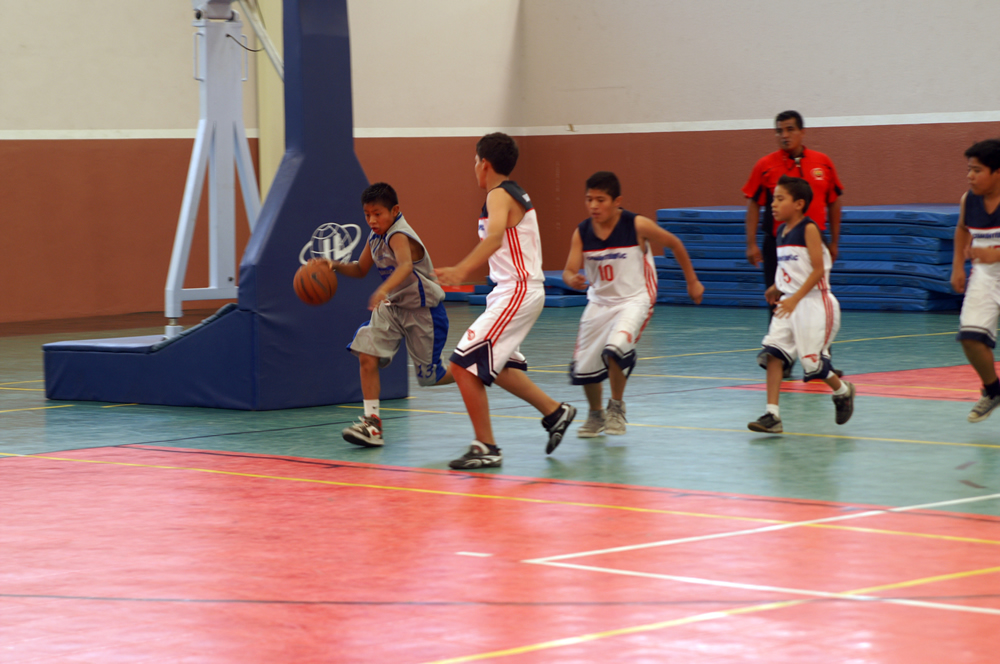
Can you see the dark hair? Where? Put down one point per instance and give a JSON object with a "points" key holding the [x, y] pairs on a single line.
{"points": [[382, 193], [986, 152], [500, 150], [798, 189], [605, 181], [789, 115]]}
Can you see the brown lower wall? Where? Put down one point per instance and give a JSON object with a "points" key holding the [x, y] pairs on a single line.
{"points": [[88, 226]]}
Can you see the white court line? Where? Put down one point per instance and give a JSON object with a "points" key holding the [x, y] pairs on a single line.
{"points": [[763, 529], [816, 594]]}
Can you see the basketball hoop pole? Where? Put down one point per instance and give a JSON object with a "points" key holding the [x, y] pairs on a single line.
{"points": [[221, 139]]}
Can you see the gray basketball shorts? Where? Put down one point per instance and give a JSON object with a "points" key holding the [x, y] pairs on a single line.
{"points": [[425, 330]]}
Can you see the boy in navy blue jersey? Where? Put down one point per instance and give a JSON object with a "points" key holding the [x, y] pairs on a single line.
{"points": [[977, 237], [806, 315], [613, 245]]}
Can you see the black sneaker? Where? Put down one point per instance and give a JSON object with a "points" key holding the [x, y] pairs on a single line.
{"points": [[566, 414], [844, 404], [766, 423], [983, 408], [478, 456]]}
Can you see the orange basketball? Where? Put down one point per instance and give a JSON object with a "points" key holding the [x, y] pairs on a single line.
{"points": [[315, 283]]}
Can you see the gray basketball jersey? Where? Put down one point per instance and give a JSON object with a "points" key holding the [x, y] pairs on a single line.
{"points": [[420, 289]]}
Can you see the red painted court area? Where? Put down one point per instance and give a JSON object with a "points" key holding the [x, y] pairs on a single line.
{"points": [[132, 554], [958, 383]]}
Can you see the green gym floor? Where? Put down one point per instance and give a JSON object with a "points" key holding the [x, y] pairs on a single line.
{"points": [[684, 431], [148, 533]]}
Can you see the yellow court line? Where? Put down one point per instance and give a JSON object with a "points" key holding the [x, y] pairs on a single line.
{"points": [[119, 405], [820, 435], [21, 382], [23, 389], [518, 499], [712, 615], [757, 349], [742, 431], [18, 410]]}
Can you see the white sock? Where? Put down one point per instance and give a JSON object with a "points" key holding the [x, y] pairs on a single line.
{"points": [[371, 407], [842, 391], [773, 409]]}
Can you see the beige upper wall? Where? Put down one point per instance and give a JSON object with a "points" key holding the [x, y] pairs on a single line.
{"points": [[102, 64], [548, 63], [440, 63], [449, 65]]}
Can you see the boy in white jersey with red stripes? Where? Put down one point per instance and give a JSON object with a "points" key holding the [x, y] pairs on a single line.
{"points": [[489, 351], [807, 316], [613, 248]]}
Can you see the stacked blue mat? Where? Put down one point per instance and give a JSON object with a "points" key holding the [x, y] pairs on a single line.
{"points": [[892, 258], [557, 293]]}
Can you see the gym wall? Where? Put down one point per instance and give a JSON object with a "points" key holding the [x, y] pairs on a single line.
{"points": [[98, 110]]}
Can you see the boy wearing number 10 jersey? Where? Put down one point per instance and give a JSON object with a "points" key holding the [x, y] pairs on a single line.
{"points": [[613, 248]]}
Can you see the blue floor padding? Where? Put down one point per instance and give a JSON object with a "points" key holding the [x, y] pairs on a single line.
{"points": [[456, 296]]}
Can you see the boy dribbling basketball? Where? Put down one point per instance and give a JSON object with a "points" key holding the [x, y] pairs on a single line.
{"points": [[409, 304]]}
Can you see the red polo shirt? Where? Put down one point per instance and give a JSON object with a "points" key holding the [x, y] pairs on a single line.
{"points": [[813, 167]]}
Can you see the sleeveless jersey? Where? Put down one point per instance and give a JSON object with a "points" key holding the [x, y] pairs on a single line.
{"points": [[985, 229], [794, 266], [618, 268], [519, 257], [420, 289]]}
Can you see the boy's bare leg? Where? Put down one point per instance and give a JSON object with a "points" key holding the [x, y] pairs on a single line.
{"points": [[775, 372], [595, 394], [617, 379], [980, 356], [833, 380], [371, 384], [517, 383], [476, 403], [447, 378]]}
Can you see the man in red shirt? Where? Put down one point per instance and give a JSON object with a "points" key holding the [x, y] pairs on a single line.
{"points": [[796, 160]]}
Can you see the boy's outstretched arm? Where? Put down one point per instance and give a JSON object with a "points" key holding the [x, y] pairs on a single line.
{"points": [[648, 230], [963, 240], [814, 245], [498, 208], [357, 269], [574, 262]]}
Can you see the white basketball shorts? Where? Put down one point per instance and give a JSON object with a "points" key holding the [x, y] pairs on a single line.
{"points": [[806, 335], [608, 330], [980, 308], [493, 341]]}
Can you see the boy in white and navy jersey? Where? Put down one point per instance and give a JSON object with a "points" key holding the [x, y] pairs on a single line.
{"points": [[409, 304], [613, 248], [489, 351], [977, 237], [807, 315]]}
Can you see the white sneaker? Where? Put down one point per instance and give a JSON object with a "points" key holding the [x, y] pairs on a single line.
{"points": [[614, 424], [367, 432]]}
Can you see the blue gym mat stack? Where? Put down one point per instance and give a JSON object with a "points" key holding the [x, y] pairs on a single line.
{"points": [[892, 258]]}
